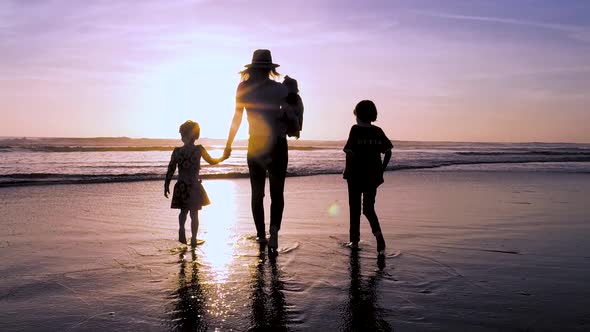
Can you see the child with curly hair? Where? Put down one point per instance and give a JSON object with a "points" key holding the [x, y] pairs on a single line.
{"points": [[189, 195]]}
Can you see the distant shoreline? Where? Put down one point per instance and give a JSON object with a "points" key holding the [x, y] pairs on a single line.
{"points": [[244, 142], [56, 148]]}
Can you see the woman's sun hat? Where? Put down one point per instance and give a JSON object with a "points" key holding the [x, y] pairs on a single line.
{"points": [[261, 59]]}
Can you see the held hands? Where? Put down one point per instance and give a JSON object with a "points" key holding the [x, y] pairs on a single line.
{"points": [[226, 153]]}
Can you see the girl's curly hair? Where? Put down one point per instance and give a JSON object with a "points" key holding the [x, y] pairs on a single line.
{"points": [[190, 129]]}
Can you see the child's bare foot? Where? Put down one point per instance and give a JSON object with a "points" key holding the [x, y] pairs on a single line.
{"points": [[181, 236]]}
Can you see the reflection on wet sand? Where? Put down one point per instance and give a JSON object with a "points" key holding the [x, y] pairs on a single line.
{"points": [[268, 301], [202, 302], [361, 312], [204, 297], [190, 310]]}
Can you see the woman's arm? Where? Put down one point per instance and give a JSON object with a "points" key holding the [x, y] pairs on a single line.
{"points": [[235, 126], [237, 119]]}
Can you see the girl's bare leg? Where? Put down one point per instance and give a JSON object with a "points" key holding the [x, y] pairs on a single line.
{"points": [[181, 222], [194, 226]]}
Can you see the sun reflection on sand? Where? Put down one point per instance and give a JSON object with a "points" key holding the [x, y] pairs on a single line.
{"points": [[210, 263], [205, 293], [217, 228]]}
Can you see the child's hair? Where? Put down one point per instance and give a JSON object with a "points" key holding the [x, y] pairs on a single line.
{"points": [[366, 111], [291, 84], [189, 129]]}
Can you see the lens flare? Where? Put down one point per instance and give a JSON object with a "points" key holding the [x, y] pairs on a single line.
{"points": [[334, 209]]}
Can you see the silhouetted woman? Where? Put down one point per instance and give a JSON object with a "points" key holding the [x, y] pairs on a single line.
{"points": [[264, 100]]}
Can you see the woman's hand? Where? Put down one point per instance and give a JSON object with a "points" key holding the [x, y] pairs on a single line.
{"points": [[226, 152], [166, 191]]}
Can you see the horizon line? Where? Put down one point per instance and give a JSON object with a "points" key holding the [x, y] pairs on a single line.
{"points": [[299, 140]]}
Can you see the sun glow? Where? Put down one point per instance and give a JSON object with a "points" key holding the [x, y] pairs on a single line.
{"points": [[201, 89]]}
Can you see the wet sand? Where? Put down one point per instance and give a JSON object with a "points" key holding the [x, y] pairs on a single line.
{"points": [[467, 251]]}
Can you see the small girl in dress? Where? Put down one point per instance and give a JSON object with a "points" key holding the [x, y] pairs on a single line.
{"points": [[189, 194]]}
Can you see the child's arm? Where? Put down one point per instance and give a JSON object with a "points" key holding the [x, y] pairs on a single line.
{"points": [[386, 150], [349, 151], [211, 160], [350, 144], [170, 173], [386, 159]]}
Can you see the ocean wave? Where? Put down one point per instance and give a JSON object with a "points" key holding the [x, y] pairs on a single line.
{"points": [[580, 152], [35, 162], [13, 180], [23, 179]]}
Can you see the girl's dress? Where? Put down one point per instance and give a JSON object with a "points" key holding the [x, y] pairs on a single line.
{"points": [[188, 191]]}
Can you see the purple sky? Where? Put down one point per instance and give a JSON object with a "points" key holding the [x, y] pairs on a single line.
{"points": [[472, 70]]}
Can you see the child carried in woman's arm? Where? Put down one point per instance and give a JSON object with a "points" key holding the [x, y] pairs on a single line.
{"points": [[189, 195], [294, 112]]}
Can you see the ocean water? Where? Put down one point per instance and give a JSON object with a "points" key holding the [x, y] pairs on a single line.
{"points": [[95, 160]]}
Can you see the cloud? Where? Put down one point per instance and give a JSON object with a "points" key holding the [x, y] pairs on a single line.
{"points": [[105, 41], [528, 72], [41, 38], [578, 33]]}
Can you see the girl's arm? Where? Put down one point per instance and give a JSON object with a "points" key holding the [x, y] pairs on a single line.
{"points": [[170, 173], [211, 160]]}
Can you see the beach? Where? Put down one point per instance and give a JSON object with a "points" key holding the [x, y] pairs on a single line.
{"points": [[468, 250]]}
